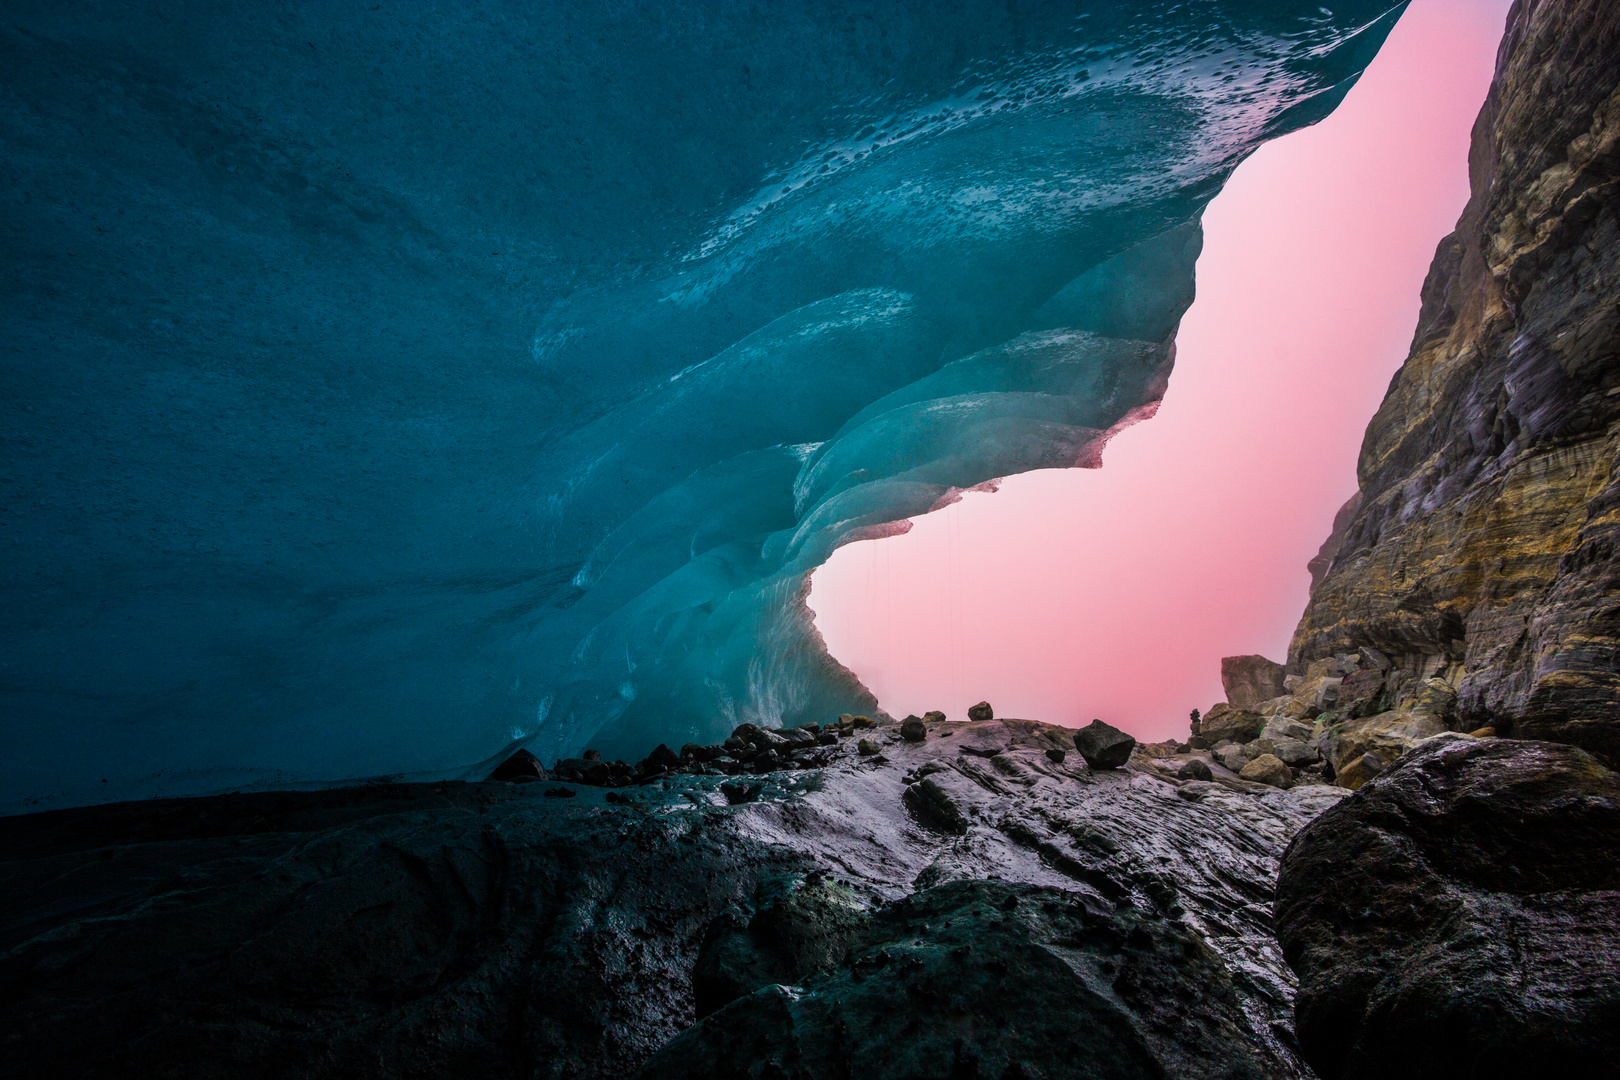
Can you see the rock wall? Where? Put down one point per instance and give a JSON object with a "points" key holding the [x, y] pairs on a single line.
{"points": [[1485, 550]]}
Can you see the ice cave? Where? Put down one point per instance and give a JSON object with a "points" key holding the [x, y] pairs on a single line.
{"points": [[392, 387]]}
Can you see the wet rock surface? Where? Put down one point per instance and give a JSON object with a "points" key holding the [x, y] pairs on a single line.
{"points": [[491, 929], [1460, 917]]}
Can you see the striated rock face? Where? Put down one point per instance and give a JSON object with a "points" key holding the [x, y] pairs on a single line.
{"points": [[1460, 917], [493, 930], [1484, 545]]}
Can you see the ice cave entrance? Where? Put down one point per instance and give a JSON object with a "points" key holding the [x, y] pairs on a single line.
{"points": [[1076, 593]]}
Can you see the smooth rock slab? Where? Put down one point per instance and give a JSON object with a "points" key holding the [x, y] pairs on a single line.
{"points": [[1460, 917]]}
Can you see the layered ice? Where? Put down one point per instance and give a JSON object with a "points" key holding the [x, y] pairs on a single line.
{"points": [[386, 389]]}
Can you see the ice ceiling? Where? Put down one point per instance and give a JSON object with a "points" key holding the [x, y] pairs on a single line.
{"points": [[389, 386]]}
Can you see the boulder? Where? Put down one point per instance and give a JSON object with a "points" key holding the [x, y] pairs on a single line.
{"points": [[1233, 756], [737, 792], [1359, 770], [1056, 756], [1224, 721], [912, 729], [1319, 693], [1459, 916], [1292, 752], [583, 770], [1249, 680], [1273, 706], [1196, 769], [1438, 698], [867, 747], [1103, 745], [934, 716], [982, 711], [522, 765], [1391, 734], [1327, 667], [662, 758], [1359, 693], [1268, 769]]}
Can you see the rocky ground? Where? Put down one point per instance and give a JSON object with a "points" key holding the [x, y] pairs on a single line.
{"points": [[1345, 720], [974, 902]]}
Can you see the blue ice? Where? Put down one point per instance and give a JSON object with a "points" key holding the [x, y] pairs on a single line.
{"points": [[386, 388]]}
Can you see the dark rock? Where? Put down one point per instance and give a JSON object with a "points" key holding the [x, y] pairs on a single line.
{"points": [[866, 746], [981, 711], [980, 979], [797, 929], [827, 738], [1196, 769], [559, 792], [934, 808], [1359, 693], [1198, 742], [699, 752], [1460, 917], [592, 755], [793, 738], [1053, 754], [912, 729], [765, 761], [583, 770], [738, 792], [1103, 745], [934, 716], [1234, 756], [521, 764], [1249, 680]]}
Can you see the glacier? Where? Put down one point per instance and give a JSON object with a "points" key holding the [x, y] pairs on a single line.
{"points": [[390, 387]]}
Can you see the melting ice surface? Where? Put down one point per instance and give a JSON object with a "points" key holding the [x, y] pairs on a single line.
{"points": [[389, 388]]}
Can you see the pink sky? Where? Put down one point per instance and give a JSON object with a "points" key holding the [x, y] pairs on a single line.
{"points": [[1114, 592]]}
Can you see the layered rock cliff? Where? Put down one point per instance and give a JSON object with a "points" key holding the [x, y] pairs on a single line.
{"points": [[1482, 552]]}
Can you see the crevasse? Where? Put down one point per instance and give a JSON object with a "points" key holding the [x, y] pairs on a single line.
{"points": [[389, 389]]}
